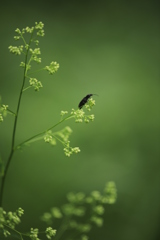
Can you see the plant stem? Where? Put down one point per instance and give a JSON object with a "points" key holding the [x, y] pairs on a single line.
{"points": [[36, 71], [41, 133], [11, 112], [14, 130], [26, 88]]}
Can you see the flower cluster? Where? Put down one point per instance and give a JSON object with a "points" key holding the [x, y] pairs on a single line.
{"points": [[16, 50], [3, 111], [63, 113], [48, 138], [90, 104], [50, 232], [78, 114], [81, 116], [33, 55], [52, 68], [61, 136], [34, 233], [35, 83], [69, 150], [82, 211], [9, 220]]}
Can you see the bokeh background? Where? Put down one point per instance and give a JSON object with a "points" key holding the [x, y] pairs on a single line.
{"points": [[111, 48]]}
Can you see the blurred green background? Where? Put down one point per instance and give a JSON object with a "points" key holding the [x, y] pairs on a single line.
{"points": [[111, 48]]}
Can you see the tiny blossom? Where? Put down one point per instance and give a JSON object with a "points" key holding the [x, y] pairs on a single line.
{"points": [[78, 114], [89, 118], [50, 232], [89, 199], [18, 31], [1, 118], [110, 193], [47, 217], [27, 46], [34, 234], [28, 66], [40, 33], [52, 68], [22, 64], [99, 209], [89, 105], [6, 233], [36, 42], [23, 30], [16, 37], [96, 195], [56, 213], [75, 150], [63, 112], [79, 211], [35, 83], [16, 50], [29, 30], [3, 111], [39, 25], [76, 198], [64, 134], [48, 138], [69, 150], [36, 59], [4, 107], [53, 142], [97, 220], [36, 51], [20, 212]]}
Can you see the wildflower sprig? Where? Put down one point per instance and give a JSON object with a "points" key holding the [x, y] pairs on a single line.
{"points": [[31, 51], [81, 213], [81, 116], [10, 220], [62, 136], [35, 83], [52, 68], [4, 110], [32, 54]]}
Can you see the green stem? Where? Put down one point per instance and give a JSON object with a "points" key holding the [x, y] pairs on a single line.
{"points": [[62, 228], [15, 231], [41, 133], [14, 130], [11, 112], [26, 88], [36, 71]]}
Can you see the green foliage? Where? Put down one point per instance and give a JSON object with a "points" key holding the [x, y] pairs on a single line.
{"points": [[81, 212], [9, 221]]}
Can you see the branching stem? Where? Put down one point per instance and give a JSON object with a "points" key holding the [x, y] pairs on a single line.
{"points": [[42, 133], [14, 129]]}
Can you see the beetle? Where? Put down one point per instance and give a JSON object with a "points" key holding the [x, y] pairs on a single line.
{"points": [[84, 100]]}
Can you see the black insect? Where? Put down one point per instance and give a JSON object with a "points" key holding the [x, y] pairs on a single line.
{"points": [[84, 100]]}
